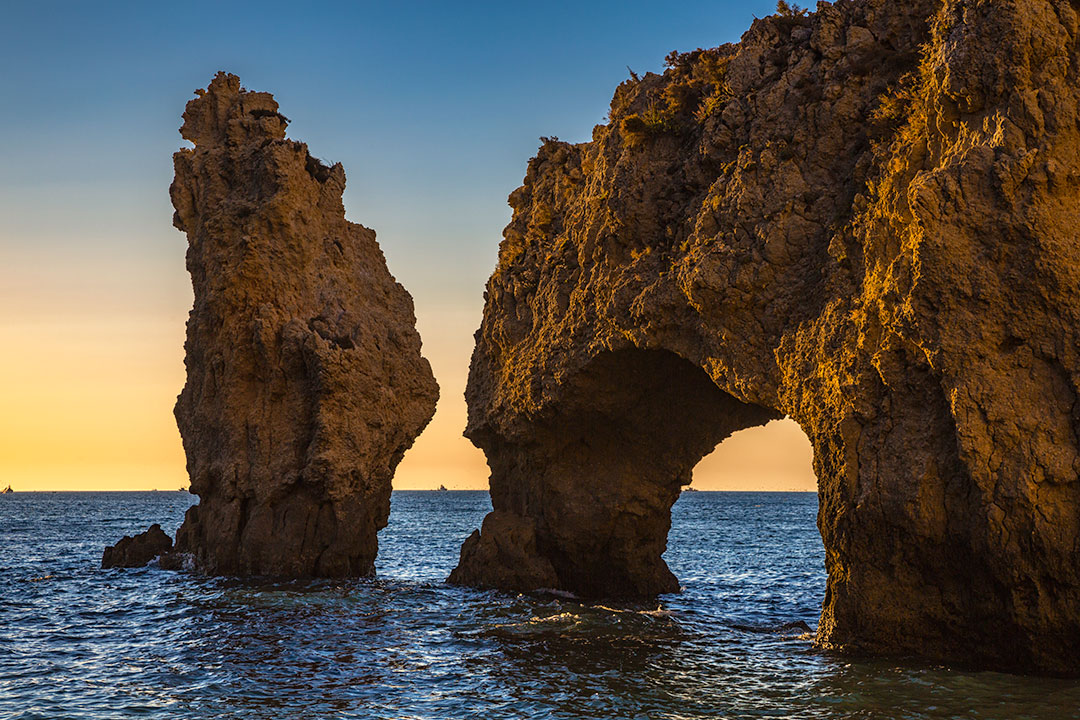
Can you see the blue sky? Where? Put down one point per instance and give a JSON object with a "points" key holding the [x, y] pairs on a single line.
{"points": [[433, 108]]}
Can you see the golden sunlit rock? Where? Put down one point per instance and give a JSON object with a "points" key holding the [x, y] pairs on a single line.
{"points": [[865, 218], [305, 383]]}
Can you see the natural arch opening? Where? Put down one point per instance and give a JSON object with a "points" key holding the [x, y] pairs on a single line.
{"points": [[582, 496], [776, 457], [752, 555]]}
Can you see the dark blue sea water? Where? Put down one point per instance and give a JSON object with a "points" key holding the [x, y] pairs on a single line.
{"points": [[80, 642]]}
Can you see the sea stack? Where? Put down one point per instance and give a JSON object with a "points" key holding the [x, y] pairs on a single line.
{"points": [[864, 218], [305, 382]]}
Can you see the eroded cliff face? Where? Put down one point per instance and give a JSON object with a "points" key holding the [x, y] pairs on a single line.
{"points": [[866, 219], [305, 382]]}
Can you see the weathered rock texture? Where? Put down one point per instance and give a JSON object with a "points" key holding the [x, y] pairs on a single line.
{"points": [[138, 550], [867, 219], [305, 383]]}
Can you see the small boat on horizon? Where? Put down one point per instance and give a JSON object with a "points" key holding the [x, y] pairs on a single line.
{"points": [[6, 491], [442, 488]]}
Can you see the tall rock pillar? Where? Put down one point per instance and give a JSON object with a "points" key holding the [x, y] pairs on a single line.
{"points": [[305, 382]]}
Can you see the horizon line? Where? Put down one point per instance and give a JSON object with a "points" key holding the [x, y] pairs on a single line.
{"points": [[155, 490]]}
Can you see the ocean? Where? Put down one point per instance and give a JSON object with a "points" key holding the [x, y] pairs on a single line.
{"points": [[80, 642]]}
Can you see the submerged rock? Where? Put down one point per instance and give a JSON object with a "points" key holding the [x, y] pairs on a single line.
{"points": [[305, 382], [865, 219], [138, 550]]}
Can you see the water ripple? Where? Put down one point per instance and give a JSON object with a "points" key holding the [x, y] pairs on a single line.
{"points": [[79, 642]]}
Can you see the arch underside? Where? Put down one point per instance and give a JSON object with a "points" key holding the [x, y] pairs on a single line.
{"points": [[583, 503]]}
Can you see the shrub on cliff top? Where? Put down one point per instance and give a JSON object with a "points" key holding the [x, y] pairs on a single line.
{"points": [[696, 85], [789, 9]]}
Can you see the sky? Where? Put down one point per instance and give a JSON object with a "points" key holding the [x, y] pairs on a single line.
{"points": [[433, 108]]}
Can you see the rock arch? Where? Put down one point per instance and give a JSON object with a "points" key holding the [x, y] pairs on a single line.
{"points": [[864, 219], [588, 493]]}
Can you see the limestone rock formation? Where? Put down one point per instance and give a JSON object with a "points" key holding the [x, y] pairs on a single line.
{"points": [[138, 550], [305, 382], [866, 219]]}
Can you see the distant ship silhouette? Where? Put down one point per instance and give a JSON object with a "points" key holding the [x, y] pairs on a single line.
{"points": [[7, 490], [442, 488]]}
